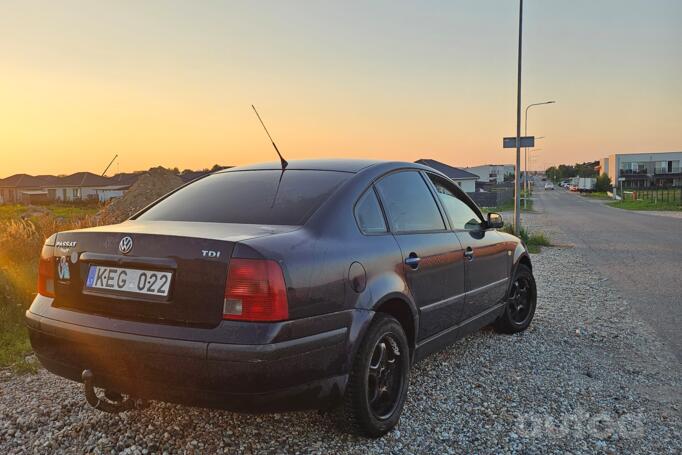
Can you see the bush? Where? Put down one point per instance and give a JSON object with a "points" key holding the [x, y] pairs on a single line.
{"points": [[603, 184]]}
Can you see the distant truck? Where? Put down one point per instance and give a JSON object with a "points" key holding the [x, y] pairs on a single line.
{"points": [[586, 184]]}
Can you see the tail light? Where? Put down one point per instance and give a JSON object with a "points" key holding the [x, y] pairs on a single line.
{"points": [[46, 272], [255, 291]]}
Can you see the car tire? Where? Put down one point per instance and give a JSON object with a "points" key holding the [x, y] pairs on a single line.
{"points": [[378, 381], [520, 302]]}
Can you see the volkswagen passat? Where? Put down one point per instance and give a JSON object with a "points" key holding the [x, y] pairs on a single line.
{"points": [[262, 289]]}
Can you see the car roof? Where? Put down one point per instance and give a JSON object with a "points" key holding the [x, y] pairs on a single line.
{"points": [[342, 165]]}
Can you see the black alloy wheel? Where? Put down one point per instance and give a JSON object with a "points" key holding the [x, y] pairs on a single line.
{"points": [[384, 378], [377, 385], [520, 304], [520, 300]]}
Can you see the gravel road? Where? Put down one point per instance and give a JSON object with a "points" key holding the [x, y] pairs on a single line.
{"points": [[637, 251], [588, 377]]}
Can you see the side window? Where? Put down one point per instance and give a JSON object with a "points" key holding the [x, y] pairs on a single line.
{"points": [[368, 214], [461, 215], [409, 205]]}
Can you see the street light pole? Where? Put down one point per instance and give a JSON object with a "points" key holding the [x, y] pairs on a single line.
{"points": [[525, 150], [517, 171], [531, 157]]}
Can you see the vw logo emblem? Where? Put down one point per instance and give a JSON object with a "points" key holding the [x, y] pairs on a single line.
{"points": [[125, 245]]}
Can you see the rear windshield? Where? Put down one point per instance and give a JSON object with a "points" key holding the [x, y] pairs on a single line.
{"points": [[250, 197]]}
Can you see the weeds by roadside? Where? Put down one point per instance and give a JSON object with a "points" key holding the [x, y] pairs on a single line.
{"points": [[534, 241], [597, 195], [14, 344], [22, 237], [645, 204], [9, 212]]}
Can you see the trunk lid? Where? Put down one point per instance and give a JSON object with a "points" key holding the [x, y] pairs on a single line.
{"points": [[196, 254]]}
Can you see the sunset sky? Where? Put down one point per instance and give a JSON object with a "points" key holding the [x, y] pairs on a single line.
{"points": [[171, 83]]}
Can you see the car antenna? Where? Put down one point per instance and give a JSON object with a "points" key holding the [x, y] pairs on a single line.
{"points": [[281, 158]]}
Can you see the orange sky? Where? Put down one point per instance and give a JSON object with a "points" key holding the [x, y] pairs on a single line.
{"points": [[170, 83]]}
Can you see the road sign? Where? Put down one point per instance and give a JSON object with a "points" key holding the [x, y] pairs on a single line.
{"points": [[621, 179], [526, 141]]}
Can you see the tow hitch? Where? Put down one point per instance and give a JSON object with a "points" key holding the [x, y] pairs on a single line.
{"points": [[112, 402]]}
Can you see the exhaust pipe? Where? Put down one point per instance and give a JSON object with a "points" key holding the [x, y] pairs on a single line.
{"points": [[112, 402]]}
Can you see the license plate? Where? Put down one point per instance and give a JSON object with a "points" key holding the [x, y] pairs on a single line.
{"points": [[134, 281]]}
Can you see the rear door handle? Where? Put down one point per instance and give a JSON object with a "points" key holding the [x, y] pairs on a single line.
{"points": [[469, 253], [413, 261]]}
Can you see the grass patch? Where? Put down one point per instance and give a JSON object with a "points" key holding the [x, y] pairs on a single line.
{"points": [[597, 195], [73, 212], [11, 211], [14, 344], [644, 204], [17, 288], [534, 241], [68, 212], [23, 230], [667, 199]]}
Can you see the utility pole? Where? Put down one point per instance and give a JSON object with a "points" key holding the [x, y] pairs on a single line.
{"points": [[517, 171]]}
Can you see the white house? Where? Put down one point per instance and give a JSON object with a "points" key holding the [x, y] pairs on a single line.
{"points": [[81, 186], [111, 192], [465, 180], [491, 172]]}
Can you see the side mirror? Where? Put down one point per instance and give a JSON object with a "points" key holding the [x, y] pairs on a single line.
{"points": [[494, 221]]}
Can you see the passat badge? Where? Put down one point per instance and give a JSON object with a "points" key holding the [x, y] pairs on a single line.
{"points": [[125, 245]]}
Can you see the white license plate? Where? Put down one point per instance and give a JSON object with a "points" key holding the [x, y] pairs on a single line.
{"points": [[135, 281]]}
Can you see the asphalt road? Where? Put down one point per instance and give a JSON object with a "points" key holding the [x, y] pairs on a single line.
{"points": [[640, 253]]}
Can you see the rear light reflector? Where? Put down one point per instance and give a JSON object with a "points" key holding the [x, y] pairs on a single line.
{"points": [[255, 291], [46, 272]]}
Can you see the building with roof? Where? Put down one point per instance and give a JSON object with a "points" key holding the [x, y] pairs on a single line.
{"points": [[24, 188], [28, 189], [76, 187], [491, 173], [466, 180], [81, 186], [643, 170]]}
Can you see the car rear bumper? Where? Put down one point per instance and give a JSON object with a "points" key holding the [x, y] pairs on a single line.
{"points": [[299, 364]]}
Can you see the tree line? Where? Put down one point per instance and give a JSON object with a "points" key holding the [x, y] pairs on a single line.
{"points": [[589, 169], [566, 171]]}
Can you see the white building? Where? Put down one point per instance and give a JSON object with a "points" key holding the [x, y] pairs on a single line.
{"points": [[642, 170], [80, 186], [491, 172], [110, 192]]}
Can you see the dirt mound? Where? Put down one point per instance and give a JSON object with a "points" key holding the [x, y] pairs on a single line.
{"points": [[149, 187]]}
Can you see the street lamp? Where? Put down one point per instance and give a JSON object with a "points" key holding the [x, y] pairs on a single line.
{"points": [[525, 152], [529, 159], [532, 157], [532, 160]]}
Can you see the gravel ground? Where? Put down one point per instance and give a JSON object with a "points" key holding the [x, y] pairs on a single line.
{"points": [[587, 377]]}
